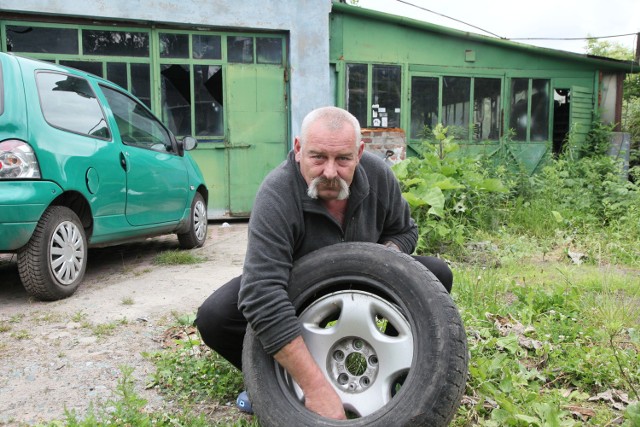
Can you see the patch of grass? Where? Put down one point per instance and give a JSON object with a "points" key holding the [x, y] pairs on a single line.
{"points": [[22, 334], [189, 371], [79, 316], [4, 327], [127, 301], [128, 409], [17, 318], [176, 257], [105, 329], [550, 345]]}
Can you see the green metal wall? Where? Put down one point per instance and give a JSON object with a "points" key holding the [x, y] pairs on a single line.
{"points": [[366, 37]]}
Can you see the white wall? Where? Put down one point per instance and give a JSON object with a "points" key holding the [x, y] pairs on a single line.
{"points": [[307, 22]]}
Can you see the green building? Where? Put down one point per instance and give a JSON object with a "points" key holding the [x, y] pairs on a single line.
{"points": [[240, 76], [492, 94]]}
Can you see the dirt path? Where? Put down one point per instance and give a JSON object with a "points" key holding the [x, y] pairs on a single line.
{"points": [[53, 355]]}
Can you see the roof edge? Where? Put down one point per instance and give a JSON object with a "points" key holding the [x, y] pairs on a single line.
{"points": [[631, 67]]}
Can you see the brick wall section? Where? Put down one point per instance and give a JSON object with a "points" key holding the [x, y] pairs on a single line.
{"points": [[382, 140]]}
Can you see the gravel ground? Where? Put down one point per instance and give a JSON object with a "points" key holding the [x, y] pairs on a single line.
{"points": [[54, 354]]}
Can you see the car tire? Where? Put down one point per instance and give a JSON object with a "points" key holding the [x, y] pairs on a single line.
{"points": [[198, 222], [52, 264], [386, 312]]}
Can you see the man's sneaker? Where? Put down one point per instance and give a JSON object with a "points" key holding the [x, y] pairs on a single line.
{"points": [[243, 403]]}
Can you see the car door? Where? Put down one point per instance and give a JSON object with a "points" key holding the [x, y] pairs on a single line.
{"points": [[157, 179]]}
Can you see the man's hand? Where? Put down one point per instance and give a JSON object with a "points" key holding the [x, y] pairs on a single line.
{"points": [[392, 245], [320, 396]]}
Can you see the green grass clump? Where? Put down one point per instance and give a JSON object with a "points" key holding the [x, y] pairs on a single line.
{"points": [[176, 257]]}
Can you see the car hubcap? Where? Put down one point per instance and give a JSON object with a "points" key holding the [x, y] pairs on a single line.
{"points": [[363, 344], [66, 252], [200, 220]]}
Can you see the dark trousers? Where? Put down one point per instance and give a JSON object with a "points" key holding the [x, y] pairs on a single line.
{"points": [[222, 326]]}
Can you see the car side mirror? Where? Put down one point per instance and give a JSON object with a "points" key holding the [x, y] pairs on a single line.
{"points": [[189, 143]]}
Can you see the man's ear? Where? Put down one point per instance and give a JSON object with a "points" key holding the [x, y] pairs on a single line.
{"points": [[297, 149], [360, 150]]}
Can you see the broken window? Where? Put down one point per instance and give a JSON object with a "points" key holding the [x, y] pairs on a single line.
{"points": [[456, 95], [175, 98], [486, 108], [208, 94], [424, 105]]}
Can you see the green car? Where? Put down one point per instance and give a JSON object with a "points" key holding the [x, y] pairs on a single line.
{"points": [[84, 163]]}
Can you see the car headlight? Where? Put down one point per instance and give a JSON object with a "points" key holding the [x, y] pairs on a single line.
{"points": [[17, 160]]}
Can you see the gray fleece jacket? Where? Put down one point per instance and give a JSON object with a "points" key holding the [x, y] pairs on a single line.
{"points": [[286, 224]]}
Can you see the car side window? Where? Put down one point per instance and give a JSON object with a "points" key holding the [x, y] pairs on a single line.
{"points": [[69, 103], [137, 126]]}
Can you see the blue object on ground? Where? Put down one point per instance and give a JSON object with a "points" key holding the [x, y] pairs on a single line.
{"points": [[243, 403]]}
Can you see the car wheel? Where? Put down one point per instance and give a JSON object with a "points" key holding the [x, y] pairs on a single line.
{"points": [[197, 233], [384, 331], [52, 265]]}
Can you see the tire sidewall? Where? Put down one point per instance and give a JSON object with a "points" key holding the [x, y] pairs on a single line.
{"points": [[189, 239], [427, 396], [45, 285]]}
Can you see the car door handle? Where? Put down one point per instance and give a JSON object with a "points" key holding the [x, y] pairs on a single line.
{"points": [[123, 161]]}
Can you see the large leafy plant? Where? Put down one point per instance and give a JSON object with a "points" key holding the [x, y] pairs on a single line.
{"points": [[449, 193]]}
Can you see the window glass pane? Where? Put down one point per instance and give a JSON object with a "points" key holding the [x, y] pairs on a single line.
{"points": [[208, 94], [86, 66], [137, 126], [176, 98], [518, 119], [269, 50], [540, 110], [174, 45], [42, 40], [115, 43], [206, 47], [456, 95], [424, 105], [486, 107], [386, 84], [69, 103], [117, 73], [141, 83], [357, 92], [240, 49]]}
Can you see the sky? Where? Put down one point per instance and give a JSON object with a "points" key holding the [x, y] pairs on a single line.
{"points": [[531, 19]]}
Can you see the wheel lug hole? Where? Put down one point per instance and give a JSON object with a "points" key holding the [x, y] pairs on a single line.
{"points": [[358, 344], [338, 355], [373, 360], [365, 381], [343, 379]]}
